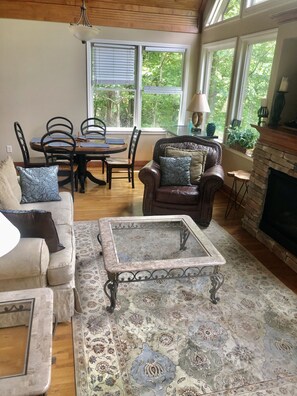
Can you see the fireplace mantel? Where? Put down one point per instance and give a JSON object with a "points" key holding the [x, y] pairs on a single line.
{"points": [[280, 138]]}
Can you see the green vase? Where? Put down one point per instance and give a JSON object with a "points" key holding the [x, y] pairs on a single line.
{"points": [[210, 129]]}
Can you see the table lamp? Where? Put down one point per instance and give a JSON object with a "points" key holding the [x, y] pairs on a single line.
{"points": [[198, 105], [9, 235]]}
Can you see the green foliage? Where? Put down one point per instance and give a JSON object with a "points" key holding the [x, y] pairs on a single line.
{"points": [[232, 9], [258, 80], [220, 78], [246, 138]]}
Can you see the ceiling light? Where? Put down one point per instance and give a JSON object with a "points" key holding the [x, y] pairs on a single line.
{"points": [[83, 30]]}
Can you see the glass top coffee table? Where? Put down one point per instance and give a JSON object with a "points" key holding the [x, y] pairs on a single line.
{"points": [[26, 318], [146, 248]]}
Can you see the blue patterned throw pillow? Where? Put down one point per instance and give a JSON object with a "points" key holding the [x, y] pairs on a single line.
{"points": [[175, 171], [39, 184]]}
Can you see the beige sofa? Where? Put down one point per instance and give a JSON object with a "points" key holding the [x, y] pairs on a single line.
{"points": [[31, 265]]}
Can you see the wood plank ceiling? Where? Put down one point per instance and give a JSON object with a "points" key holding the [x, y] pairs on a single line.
{"points": [[166, 15]]}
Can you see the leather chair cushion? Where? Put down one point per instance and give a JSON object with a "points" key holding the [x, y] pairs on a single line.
{"points": [[178, 195]]}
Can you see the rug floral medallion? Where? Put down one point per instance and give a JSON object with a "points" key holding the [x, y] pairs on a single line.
{"points": [[166, 338]]}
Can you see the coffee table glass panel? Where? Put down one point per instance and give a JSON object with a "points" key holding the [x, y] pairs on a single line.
{"points": [[153, 247]]}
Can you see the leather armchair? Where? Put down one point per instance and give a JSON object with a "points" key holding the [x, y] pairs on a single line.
{"points": [[194, 200]]}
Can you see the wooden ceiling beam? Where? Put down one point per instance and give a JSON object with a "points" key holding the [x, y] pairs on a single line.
{"points": [[133, 14]]}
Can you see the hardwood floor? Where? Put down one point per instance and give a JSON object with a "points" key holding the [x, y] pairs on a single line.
{"points": [[122, 200]]}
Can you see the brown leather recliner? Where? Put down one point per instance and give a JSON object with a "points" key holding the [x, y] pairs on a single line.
{"points": [[194, 200]]}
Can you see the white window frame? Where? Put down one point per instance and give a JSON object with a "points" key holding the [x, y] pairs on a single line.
{"points": [[206, 62], [242, 67], [137, 107], [248, 7]]}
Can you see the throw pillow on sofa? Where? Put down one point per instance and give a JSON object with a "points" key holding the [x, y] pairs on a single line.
{"points": [[7, 198], [35, 224], [175, 171], [8, 170], [39, 184], [197, 164]]}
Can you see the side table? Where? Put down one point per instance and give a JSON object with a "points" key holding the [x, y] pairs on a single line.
{"points": [[239, 186], [29, 312]]}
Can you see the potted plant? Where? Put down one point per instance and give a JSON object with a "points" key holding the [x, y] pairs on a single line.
{"points": [[242, 140]]}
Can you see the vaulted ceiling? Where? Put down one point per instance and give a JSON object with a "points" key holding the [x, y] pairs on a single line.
{"points": [[166, 15]]}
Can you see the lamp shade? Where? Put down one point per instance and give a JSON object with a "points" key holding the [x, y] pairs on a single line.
{"points": [[199, 104], [9, 235]]}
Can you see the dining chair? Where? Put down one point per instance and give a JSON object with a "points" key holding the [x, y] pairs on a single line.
{"points": [[122, 163], [59, 124], [62, 145], [94, 128], [29, 162]]}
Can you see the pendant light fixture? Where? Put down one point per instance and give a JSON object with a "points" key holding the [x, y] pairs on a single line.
{"points": [[83, 30]]}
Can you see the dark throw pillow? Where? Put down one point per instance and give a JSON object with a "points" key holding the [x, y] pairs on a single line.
{"points": [[35, 224], [39, 184], [175, 171], [197, 163]]}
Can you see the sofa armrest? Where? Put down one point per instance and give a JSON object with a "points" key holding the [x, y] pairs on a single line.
{"points": [[150, 175], [30, 258]]}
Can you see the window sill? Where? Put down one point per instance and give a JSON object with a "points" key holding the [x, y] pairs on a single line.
{"points": [[247, 155]]}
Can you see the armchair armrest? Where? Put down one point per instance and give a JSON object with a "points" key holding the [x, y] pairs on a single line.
{"points": [[213, 176], [211, 181], [150, 176]]}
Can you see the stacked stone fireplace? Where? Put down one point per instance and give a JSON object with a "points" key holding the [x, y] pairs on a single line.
{"points": [[276, 149]]}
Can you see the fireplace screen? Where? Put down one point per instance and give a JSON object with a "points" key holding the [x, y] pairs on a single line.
{"points": [[279, 218]]}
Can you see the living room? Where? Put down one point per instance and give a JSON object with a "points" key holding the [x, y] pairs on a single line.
{"points": [[44, 73]]}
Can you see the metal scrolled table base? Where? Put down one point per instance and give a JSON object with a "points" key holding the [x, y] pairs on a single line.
{"points": [[111, 285]]}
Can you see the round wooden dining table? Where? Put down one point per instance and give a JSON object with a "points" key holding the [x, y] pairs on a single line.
{"points": [[82, 149]]}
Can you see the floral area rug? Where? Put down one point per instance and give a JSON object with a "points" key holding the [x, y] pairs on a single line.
{"points": [[165, 338]]}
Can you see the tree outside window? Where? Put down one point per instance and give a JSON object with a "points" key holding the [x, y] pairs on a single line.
{"points": [[219, 87], [162, 74], [257, 80]]}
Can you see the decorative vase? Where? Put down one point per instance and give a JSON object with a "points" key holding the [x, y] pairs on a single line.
{"points": [[210, 129]]}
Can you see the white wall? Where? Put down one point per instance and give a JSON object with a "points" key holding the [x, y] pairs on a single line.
{"points": [[43, 74]]}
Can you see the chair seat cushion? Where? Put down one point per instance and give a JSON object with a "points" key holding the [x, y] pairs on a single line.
{"points": [[178, 195]]}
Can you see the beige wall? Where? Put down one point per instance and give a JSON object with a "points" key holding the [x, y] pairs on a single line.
{"points": [[43, 74]]}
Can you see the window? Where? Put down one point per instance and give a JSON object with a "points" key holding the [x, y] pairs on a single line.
{"points": [[255, 83], [223, 10], [135, 85], [162, 75], [218, 62], [113, 82]]}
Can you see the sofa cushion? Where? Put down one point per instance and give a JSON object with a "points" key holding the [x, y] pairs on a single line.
{"points": [[35, 224], [62, 264], [181, 195], [7, 198], [7, 169], [197, 164], [29, 259], [39, 184], [62, 211], [175, 171]]}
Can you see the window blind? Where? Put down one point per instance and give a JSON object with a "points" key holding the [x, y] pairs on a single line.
{"points": [[113, 64]]}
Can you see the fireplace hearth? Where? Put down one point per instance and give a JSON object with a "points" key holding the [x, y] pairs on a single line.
{"points": [[271, 205]]}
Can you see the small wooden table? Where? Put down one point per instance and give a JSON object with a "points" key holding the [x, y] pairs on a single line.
{"points": [[156, 247], [31, 309]]}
